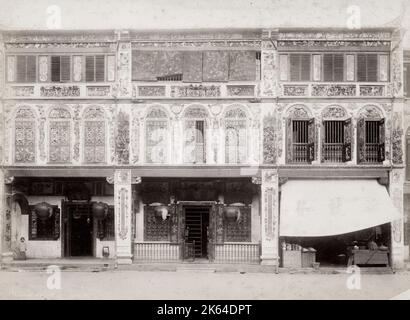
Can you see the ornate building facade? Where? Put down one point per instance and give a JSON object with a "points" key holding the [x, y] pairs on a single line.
{"points": [[165, 146]]}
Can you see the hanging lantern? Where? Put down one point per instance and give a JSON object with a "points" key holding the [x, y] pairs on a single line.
{"points": [[43, 210], [231, 212], [100, 210], [162, 212]]}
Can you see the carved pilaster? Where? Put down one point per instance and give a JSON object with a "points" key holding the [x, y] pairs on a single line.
{"points": [[269, 217], [397, 228], [123, 88], [123, 216], [269, 81]]}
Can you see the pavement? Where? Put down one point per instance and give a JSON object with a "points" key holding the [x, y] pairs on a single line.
{"points": [[107, 283]]}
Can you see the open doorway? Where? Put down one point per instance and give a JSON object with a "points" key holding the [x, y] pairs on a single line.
{"points": [[196, 229]]}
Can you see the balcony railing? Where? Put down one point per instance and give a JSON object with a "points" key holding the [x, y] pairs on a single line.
{"points": [[332, 152], [300, 153], [156, 251]]}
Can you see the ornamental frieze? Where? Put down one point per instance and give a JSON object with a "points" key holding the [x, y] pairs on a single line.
{"points": [[241, 90], [269, 150], [60, 91], [96, 91], [195, 91], [333, 90], [23, 91], [295, 90], [334, 112], [371, 91], [151, 91], [62, 45], [332, 44], [335, 35], [256, 44]]}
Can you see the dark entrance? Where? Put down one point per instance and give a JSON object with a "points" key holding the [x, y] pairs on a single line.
{"points": [[79, 230], [196, 229]]}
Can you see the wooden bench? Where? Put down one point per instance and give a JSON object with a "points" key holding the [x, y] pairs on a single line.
{"points": [[368, 257]]}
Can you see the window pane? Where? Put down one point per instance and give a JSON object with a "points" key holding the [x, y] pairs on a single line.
{"points": [[305, 72], [65, 68], [31, 68], [371, 67], [338, 64], [89, 68], [294, 60], [361, 67], [21, 68]]}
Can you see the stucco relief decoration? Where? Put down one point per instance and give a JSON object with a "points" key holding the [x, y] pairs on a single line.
{"points": [[269, 82], [77, 68], [295, 90], [241, 90], [215, 109], [235, 135], [151, 91], [98, 91], [372, 91], [57, 113], [123, 216], [269, 143], [60, 91], [333, 90], [59, 135], [298, 112], [43, 68], [76, 147], [112, 119], [25, 133], [42, 132], [195, 112], [94, 135], [176, 108], [396, 138], [334, 112], [195, 91], [370, 112], [135, 133], [122, 138], [22, 91], [124, 76], [397, 66]]}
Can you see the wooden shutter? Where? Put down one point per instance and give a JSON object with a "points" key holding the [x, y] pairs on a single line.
{"points": [[65, 68], [100, 68], [294, 60], [311, 140], [305, 67], [338, 67], [21, 68], [372, 67], [361, 132], [347, 145], [381, 155], [89, 68], [328, 67], [31, 69], [55, 69], [361, 67], [289, 140]]}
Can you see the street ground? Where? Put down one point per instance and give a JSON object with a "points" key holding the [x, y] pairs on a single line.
{"points": [[127, 284]]}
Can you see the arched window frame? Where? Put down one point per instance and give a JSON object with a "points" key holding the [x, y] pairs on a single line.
{"points": [[25, 136], [59, 119], [157, 151], [94, 149], [235, 119]]}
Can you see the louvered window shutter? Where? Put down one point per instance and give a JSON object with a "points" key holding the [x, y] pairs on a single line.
{"points": [[100, 68], [328, 67], [31, 69], [361, 128], [381, 155], [55, 69], [347, 139], [294, 60], [372, 67], [311, 140], [89, 68], [21, 68], [361, 68], [65, 68], [305, 67], [338, 67]]}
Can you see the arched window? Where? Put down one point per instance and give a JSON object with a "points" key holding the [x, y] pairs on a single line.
{"points": [[300, 136], [157, 139], [235, 136], [25, 136], [94, 135], [195, 135], [59, 135], [370, 135]]}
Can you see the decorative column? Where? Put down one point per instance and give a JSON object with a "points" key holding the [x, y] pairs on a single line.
{"points": [[123, 215], [2, 211], [269, 217], [397, 227], [269, 57], [5, 217]]}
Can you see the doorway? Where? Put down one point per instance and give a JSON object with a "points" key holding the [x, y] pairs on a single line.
{"points": [[196, 229], [79, 233]]}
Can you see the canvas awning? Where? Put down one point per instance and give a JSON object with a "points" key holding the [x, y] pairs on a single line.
{"points": [[313, 208]]}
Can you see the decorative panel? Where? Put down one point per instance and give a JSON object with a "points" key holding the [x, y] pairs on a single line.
{"points": [[242, 65], [25, 148], [59, 141], [110, 68], [155, 228], [238, 229], [94, 141], [44, 229], [192, 66], [43, 68], [77, 68], [317, 70], [60, 91], [383, 67], [11, 68], [284, 68], [215, 66], [269, 150], [122, 138], [350, 67]]}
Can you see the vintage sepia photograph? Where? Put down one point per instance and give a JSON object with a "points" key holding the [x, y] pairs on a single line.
{"points": [[232, 151]]}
